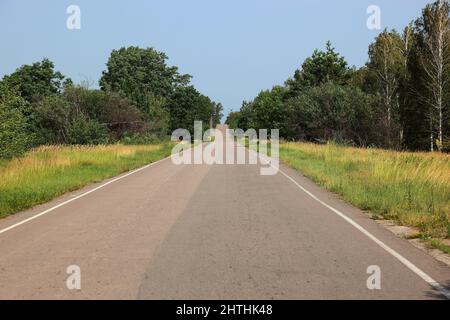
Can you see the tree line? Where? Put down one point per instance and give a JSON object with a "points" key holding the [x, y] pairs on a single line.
{"points": [[398, 100], [141, 100]]}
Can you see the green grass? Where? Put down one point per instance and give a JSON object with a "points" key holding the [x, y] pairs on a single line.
{"points": [[439, 245], [50, 171], [410, 188]]}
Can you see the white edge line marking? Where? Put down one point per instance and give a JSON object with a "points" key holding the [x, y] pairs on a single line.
{"points": [[433, 283], [82, 195], [391, 251]]}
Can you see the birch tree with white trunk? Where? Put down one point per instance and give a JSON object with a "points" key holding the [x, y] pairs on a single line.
{"points": [[435, 29], [387, 62]]}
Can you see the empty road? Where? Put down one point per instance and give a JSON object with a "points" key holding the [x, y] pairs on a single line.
{"points": [[208, 232]]}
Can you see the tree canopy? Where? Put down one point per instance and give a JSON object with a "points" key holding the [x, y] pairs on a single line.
{"points": [[399, 100], [141, 99], [137, 72], [321, 67], [37, 80]]}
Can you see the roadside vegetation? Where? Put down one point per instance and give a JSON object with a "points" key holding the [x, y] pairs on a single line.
{"points": [[50, 171], [399, 100], [141, 100], [359, 127], [411, 188], [56, 136]]}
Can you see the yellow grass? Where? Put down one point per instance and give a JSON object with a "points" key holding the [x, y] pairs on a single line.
{"points": [[411, 188], [49, 171]]}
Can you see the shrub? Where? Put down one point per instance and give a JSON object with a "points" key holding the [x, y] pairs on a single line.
{"points": [[14, 136], [86, 131], [119, 114], [141, 138], [51, 120]]}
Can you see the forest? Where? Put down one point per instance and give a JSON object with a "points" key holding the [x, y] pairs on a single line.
{"points": [[398, 100], [140, 100]]}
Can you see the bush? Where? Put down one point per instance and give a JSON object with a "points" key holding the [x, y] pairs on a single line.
{"points": [[157, 115], [119, 114], [14, 136], [85, 131], [332, 112], [142, 138], [51, 120], [82, 116]]}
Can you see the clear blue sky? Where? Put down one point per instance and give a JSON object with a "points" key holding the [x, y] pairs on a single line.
{"points": [[233, 48]]}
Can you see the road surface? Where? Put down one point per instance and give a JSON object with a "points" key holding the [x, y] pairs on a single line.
{"points": [[208, 232]]}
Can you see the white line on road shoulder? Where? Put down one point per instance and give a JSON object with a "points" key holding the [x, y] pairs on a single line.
{"points": [[81, 195], [433, 283]]}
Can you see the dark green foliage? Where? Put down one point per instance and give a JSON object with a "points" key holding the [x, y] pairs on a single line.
{"points": [[233, 120], [51, 120], [244, 118], [322, 102], [187, 105], [85, 131], [142, 100], [269, 110], [117, 113], [414, 109], [217, 113], [141, 139], [157, 115], [321, 67], [163, 96], [332, 112], [399, 100], [137, 72], [61, 118], [15, 136], [37, 80]]}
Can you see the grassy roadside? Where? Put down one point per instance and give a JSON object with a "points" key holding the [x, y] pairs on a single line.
{"points": [[50, 171], [411, 188]]}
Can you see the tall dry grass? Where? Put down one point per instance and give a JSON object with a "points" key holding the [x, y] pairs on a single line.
{"points": [[411, 188], [49, 171]]}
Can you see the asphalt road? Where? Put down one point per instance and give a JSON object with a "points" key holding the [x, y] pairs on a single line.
{"points": [[208, 232]]}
